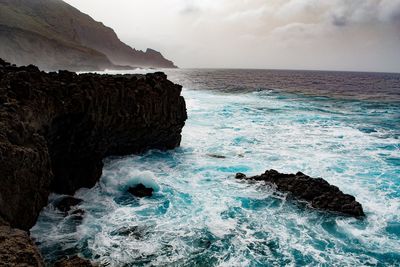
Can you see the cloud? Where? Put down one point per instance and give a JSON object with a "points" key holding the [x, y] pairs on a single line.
{"points": [[333, 34], [390, 10], [190, 7], [339, 21], [364, 11]]}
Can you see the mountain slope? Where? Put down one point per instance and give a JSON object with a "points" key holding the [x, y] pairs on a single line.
{"points": [[53, 34]]}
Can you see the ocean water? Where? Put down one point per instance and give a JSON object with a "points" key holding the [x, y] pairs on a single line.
{"points": [[344, 127]]}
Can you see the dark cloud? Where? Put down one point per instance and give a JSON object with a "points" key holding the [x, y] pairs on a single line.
{"points": [[339, 21], [365, 12], [395, 18]]}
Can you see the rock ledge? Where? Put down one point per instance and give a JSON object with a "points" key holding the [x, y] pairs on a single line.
{"points": [[55, 129]]}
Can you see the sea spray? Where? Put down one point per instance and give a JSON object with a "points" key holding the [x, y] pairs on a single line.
{"points": [[202, 215]]}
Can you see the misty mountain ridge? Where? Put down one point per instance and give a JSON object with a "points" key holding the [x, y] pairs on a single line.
{"points": [[54, 35]]}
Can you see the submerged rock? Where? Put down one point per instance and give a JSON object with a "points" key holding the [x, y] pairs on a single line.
{"points": [[318, 192], [141, 191], [136, 232], [74, 261], [78, 212], [66, 203], [216, 156]]}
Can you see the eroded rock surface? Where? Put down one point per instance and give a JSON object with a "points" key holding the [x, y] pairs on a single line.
{"points": [[318, 192], [55, 129], [74, 261], [17, 249]]}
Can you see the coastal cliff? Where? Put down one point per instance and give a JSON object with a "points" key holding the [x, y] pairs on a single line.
{"points": [[55, 129], [54, 35]]}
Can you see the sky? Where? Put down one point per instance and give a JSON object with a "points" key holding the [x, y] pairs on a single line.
{"points": [[359, 35]]}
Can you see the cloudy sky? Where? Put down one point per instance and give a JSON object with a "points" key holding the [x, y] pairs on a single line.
{"points": [[290, 34]]}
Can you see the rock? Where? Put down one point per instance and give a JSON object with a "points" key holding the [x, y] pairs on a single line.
{"points": [[54, 35], [141, 191], [17, 249], [55, 129], [216, 156], [240, 175], [3, 222], [66, 203], [135, 232], [74, 261], [318, 192], [78, 212]]}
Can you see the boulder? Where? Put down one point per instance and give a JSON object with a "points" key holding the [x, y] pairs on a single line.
{"points": [[141, 191], [318, 192]]}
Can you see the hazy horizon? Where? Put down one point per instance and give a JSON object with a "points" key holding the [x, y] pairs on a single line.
{"points": [[361, 35]]}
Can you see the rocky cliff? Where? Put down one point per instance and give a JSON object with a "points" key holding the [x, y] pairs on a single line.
{"points": [[55, 129], [53, 35], [17, 249]]}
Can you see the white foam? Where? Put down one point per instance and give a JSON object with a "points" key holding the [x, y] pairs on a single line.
{"points": [[200, 201], [121, 179]]}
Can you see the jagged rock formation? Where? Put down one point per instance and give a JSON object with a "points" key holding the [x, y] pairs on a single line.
{"points": [[141, 191], [318, 192], [54, 35], [55, 129], [17, 249]]}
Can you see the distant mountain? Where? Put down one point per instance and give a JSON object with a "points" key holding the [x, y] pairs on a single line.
{"points": [[54, 35]]}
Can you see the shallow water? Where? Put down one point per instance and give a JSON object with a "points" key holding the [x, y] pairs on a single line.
{"points": [[201, 216]]}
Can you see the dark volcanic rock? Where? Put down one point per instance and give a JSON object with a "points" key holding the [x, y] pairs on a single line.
{"points": [[318, 192], [66, 203], [74, 261], [55, 129], [240, 175], [216, 156], [17, 249], [141, 191]]}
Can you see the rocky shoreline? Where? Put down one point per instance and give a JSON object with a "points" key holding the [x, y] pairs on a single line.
{"points": [[316, 191], [55, 129]]}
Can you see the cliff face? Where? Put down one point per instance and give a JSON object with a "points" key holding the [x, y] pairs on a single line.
{"points": [[22, 47], [55, 129], [54, 35]]}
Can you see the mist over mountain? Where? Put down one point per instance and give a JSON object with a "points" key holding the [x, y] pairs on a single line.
{"points": [[54, 35]]}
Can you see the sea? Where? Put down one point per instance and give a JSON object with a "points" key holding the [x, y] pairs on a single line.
{"points": [[342, 126]]}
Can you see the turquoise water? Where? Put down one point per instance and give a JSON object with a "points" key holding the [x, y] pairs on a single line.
{"points": [[201, 216]]}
